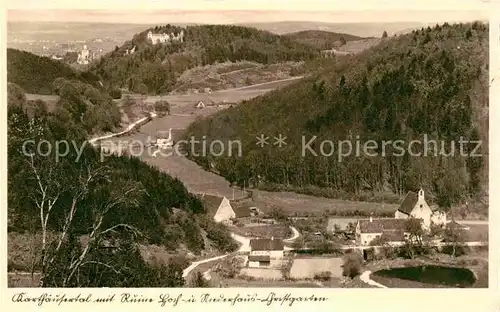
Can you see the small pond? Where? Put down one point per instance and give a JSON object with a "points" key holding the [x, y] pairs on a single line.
{"points": [[440, 276]]}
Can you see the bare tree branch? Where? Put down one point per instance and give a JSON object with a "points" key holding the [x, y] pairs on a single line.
{"points": [[101, 263]]}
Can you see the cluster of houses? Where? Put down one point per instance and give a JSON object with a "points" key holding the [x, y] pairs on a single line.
{"points": [[269, 252], [264, 252], [393, 230], [165, 37]]}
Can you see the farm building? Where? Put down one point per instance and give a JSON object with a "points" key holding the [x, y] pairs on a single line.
{"points": [[265, 252], [164, 139], [221, 209], [414, 205], [204, 102], [244, 209], [200, 104], [393, 230], [225, 104]]}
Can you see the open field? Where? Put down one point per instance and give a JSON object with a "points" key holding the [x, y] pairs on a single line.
{"points": [[357, 46], [232, 75], [298, 204], [51, 100], [262, 274], [303, 268], [477, 233]]}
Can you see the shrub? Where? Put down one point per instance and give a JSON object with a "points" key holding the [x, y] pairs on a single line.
{"points": [[352, 264], [162, 107], [387, 252], [198, 281], [369, 254], [379, 241], [323, 276], [116, 93]]}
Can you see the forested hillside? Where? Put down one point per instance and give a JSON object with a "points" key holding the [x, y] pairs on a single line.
{"points": [[430, 82], [118, 202], [322, 40], [35, 74], [154, 69]]}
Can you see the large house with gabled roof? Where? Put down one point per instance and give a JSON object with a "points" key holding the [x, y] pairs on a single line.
{"points": [[221, 209]]}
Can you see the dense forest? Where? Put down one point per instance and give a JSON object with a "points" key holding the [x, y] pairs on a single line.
{"points": [[153, 69], [35, 74], [321, 40], [120, 201], [432, 82]]}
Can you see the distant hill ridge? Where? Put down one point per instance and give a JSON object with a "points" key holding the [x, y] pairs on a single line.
{"points": [[321, 39]]}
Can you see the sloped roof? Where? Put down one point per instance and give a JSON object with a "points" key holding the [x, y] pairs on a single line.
{"points": [[211, 203], [393, 236], [162, 134], [259, 258], [381, 225], [266, 244], [241, 210], [457, 226], [408, 203]]}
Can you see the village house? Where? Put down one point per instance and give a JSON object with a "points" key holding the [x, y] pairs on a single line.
{"points": [[415, 206], [206, 101], [390, 230], [393, 230], [164, 139], [265, 252], [221, 210]]}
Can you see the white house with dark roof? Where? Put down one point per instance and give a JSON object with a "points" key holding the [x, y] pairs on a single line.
{"points": [[164, 139], [200, 104], [265, 252], [221, 209], [392, 230], [415, 206]]}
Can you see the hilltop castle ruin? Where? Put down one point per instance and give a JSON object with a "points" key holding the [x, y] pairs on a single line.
{"points": [[165, 37]]}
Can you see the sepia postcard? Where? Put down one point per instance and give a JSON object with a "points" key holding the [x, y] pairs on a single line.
{"points": [[249, 154]]}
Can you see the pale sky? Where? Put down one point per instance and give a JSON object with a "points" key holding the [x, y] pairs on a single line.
{"points": [[238, 11]]}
